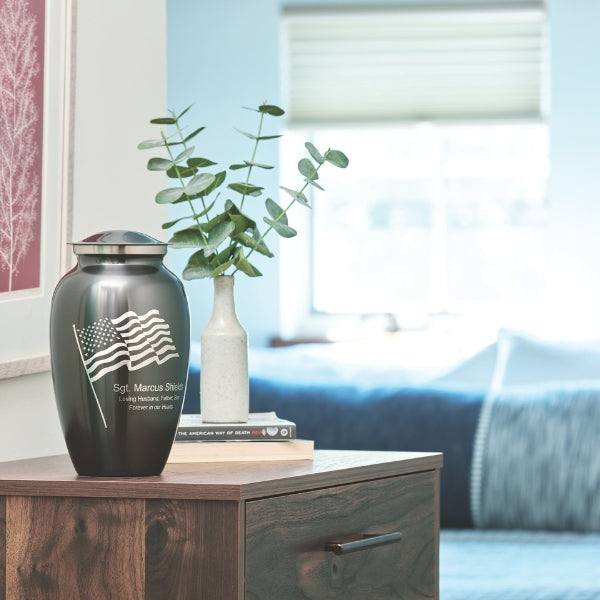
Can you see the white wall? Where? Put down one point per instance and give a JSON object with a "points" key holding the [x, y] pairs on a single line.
{"points": [[120, 86]]}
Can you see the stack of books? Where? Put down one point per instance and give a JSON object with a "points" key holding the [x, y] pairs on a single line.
{"points": [[264, 437]]}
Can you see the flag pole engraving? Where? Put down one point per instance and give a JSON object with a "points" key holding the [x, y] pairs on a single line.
{"points": [[130, 340], [88, 376]]}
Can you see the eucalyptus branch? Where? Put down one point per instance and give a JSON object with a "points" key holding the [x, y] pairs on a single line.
{"points": [[228, 237], [180, 178], [284, 213], [253, 157], [185, 147]]}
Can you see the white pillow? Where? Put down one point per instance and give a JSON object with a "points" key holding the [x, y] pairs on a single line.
{"points": [[524, 359], [474, 372]]}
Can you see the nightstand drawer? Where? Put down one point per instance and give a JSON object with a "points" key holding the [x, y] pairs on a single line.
{"points": [[287, 537]]}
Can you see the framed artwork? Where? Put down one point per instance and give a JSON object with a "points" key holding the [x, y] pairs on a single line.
{"points": [[37, 64]]}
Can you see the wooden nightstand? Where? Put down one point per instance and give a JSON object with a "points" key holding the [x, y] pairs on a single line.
{"points": [[221, 531]]}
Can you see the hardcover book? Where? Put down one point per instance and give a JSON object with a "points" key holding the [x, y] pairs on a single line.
{"points": [[260, 427], [201, 452]]}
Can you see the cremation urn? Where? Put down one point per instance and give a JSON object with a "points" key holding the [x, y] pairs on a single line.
{"points": [[119, 348]]}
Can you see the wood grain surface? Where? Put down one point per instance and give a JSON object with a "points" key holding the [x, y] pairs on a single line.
{"points": [[83, 548], [2, 548], [47, 537], [290, 533], [192, 549], [55, 476]]}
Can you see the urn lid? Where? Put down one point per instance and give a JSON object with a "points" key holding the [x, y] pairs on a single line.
{"points": [[120, 242]]}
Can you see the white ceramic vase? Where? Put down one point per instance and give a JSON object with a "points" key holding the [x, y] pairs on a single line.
{"points": [[224, 394]]}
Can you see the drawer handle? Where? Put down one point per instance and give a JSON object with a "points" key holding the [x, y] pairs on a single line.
{"points": [[364, 543]]}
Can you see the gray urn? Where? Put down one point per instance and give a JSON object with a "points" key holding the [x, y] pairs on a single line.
{"points": [[119, 348]]}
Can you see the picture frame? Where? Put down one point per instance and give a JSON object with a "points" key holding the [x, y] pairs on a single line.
{"points": [[25, 313]]}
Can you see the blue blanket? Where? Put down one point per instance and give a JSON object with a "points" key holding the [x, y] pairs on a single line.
{"points": [[537, 459]]}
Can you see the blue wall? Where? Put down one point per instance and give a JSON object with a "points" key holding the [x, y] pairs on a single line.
{"points": [[222, 55]]}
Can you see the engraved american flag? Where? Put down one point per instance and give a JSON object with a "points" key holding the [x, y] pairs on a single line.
{"points": [[130, 340]]}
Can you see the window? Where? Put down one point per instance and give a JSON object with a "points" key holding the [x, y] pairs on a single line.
{"points": [[444, 204]]}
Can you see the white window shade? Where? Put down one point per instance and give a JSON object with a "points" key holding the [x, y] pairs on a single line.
{"points": [[413, 64]]}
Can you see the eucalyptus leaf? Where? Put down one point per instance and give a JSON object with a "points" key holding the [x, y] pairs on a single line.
{"points": [[178, 172], [271, 109], [199, 215], [199, 183], [238, 167], [173, 144], [183, 155], [298, 196], [307, 168], [250, 242], [242, 221], [193, 134], [200, 162], [198, 267], [219, 179], [232, 208], [314, 153], [188, 238], [337, 158], [283, 230], [311, 182], [260, 239], [276, 211], [248, 135], [217, 235], [225, 254], [256, 164], [246, 188], [216, 220], [159, 164], [169, 195], [183, 112], [242, 224], [245, 267], [293, 193], [221, 268], [258, 138], [242, 264], [170, 224], [146, 144], [204, 212], [164, 121]]}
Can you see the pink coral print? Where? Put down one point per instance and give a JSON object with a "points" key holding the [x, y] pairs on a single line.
{"points": [[21, 113]]}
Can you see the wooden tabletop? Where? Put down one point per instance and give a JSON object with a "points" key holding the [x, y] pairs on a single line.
{"points": [[55, 476]]}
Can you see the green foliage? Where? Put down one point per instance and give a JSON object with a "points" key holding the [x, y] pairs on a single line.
{"points": [[222, 236]]}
